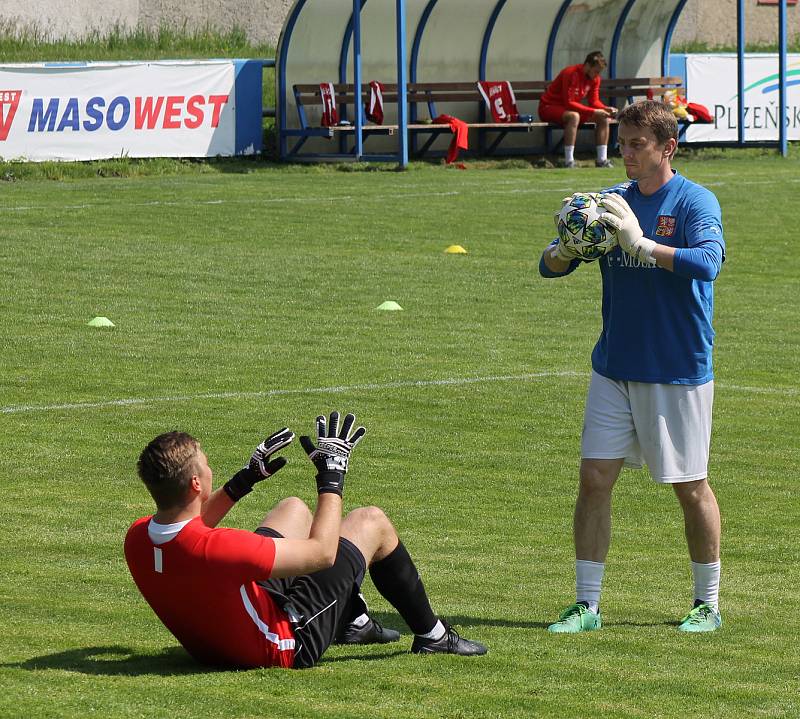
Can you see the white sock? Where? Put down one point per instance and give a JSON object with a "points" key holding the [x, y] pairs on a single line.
{"points": [[436, 633], [569, 153], [706, 582], [360, 621], [588, 579], [602, 153]]}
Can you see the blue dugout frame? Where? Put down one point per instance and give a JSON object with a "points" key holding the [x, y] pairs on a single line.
{"points": [[551, 40], [487, 37], [615, 39], [247, 91], [353, 34], [783, 144], [408, 66]]}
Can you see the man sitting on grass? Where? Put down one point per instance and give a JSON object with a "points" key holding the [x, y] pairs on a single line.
{"points": [[281, 595]]}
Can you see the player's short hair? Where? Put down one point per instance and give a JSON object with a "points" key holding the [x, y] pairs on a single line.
{"points": [[595, 58], [166, 466], [652, 115]]}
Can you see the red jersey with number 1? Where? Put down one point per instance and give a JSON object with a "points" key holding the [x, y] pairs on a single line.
{"points": [[201, 584]]}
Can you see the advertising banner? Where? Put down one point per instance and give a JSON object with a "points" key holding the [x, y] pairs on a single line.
{"points": [[711, 81], [88, 111]]}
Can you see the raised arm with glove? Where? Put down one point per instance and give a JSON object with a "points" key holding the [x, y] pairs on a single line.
{"points": [[331, 457], [331, 454], [260, 465]]}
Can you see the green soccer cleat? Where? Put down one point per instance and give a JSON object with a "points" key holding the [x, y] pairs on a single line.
{"points": [[576, 618], [702, 618]]}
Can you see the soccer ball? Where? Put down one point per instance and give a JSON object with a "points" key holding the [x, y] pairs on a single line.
{"points": [[580, 230]]}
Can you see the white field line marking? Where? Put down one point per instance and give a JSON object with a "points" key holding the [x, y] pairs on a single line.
{"points": [[243, 201], [283, 200], [781, 391], [537, 188], [280, 200], [451, 381]]}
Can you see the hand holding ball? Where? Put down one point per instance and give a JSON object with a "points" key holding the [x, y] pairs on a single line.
{"points": [[581, 233]]}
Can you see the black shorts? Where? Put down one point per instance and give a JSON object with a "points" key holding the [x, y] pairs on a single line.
{"points": [[319, 603]]}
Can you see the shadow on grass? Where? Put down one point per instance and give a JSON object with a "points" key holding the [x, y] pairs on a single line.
{"points": [[389, 619], [123, 661], [115, 661], [172, 661], [400, 651], [458, 621], [666, 623]]}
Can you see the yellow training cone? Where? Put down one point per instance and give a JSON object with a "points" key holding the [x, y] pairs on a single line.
{"points": [[456, 250], [389, 305], [100, 322]]}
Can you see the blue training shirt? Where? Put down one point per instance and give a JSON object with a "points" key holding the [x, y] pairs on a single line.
{"points": [[656, 323]]}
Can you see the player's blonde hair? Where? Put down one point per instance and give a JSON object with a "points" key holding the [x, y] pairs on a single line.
{"points": [[167, 465], [653, 115]]}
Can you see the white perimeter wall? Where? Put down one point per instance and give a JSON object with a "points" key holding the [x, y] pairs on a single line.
{"points": [[710, 21], [261, 19]]}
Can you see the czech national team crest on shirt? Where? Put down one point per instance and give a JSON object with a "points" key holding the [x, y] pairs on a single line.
{"points": [[666, 226]]}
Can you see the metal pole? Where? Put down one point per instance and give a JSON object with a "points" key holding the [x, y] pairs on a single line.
{"points": [[782, 78], [673, 22], [412, 67], [402, 105], [487, 36], [283, 140], [615, 38], [551, 40], [357, 107], [741, 41]]}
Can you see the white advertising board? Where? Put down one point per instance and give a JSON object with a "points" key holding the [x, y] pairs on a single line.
{"points": [[91, 111], [711, 80]]}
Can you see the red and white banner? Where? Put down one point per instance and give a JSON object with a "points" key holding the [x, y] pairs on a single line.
{"points": [[91, 111]]}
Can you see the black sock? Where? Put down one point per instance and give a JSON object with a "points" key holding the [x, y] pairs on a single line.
{"points": [[398, 581]]}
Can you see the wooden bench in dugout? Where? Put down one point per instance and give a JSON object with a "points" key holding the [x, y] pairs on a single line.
{"points": [[430, 94], [426, 94]]}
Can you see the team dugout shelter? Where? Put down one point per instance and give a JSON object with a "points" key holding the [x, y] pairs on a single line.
{"points": [[402, 43]]}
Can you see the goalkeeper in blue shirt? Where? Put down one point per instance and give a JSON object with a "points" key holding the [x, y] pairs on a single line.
{"points": [[651, 389]]}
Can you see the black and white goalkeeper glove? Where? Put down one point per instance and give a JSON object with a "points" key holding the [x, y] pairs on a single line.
{"points": [[260, 466], [331, 454]]}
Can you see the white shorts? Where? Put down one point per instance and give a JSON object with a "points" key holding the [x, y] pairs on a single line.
{"points": [[666, 426]]}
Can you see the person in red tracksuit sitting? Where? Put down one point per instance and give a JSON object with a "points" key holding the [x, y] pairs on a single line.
{"points": [[562, 103]]}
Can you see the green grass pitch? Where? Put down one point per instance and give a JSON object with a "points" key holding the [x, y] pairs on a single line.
{"points": [[245, 300]]}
